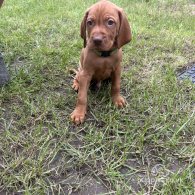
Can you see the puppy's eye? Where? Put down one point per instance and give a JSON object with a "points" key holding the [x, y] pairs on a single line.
{"points": [[110, 22], [90, 22]]}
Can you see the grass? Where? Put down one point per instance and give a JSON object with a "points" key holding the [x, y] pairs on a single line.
{"points": [[145, 148]]}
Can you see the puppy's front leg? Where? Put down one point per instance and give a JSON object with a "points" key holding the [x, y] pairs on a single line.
{"points": [[79, 112], [117, 99]]}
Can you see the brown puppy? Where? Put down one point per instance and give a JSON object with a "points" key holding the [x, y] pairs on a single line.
{"points": [[105, 29]]}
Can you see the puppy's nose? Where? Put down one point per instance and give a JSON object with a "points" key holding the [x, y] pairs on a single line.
{"points": [[97, 40]]}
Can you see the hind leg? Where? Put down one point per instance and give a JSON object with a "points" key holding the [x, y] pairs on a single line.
{"points": [[75, 84]]}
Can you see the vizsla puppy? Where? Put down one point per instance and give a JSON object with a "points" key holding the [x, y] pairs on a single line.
{"points": [[105, 29]]}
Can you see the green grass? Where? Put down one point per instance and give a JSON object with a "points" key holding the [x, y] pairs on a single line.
{"points": [[147, 147]]}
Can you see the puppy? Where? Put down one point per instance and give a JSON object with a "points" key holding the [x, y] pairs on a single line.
{"points": [[104, 29]]}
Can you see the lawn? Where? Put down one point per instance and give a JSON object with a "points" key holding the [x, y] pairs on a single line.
{"points": [[145, 148]]}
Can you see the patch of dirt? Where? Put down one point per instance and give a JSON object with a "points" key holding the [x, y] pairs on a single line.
{"points": [[79, 182], [146, 172], [87, 186], [3, 192], [74, 179]]}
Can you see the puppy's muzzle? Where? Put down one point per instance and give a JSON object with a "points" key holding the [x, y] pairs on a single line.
{"points": [[97, 40]]}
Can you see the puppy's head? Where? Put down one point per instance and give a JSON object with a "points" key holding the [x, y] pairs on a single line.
{"points": [[105, 26]]}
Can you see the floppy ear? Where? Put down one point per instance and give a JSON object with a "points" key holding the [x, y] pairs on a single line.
{"points": [[124, 33], [83, 29]]}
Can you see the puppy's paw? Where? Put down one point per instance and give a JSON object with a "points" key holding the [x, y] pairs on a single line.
{"points": [[75, 85], [119, 101], [77, 116]]}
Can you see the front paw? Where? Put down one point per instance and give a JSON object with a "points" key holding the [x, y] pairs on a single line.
{"points": [[78, 116], [119, 101]]}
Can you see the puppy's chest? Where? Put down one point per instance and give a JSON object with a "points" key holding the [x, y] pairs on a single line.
{"points": [[103, 69]]}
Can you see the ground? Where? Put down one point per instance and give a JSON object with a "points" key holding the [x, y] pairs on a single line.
{"points": [[145, 148]]}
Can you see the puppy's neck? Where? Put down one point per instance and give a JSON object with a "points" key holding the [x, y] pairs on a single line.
{"points": [[105, 54]]}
